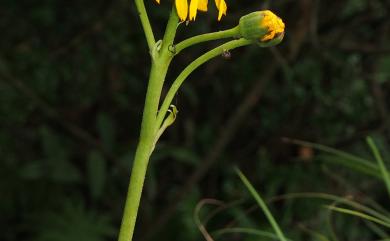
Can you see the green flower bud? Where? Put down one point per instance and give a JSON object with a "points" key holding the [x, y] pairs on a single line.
{"points": [[264, 27]]}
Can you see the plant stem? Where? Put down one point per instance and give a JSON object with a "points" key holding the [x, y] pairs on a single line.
{"points": [[143, 152], [229, 33], [149, 129], [191, 67], [162, 54], [169, 35], [145, 23]]}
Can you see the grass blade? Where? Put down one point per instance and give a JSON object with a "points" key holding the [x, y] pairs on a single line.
{"points": [[337, 199], [360, 214], [262, 205], [354, 162], [381, 164]]}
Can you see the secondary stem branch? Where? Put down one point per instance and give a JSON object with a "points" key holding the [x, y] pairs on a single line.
{"points": [[145, 23], [229, 33], [191, 67]]}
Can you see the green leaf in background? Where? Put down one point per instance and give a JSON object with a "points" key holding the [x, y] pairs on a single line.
{"points": [[184, 224], [96, 172], [74, 222], [384, 69], [32, 170], [354, 6], [381, 164], [360, 215], [106, 129], [342, 158], [177, 153], [57, 163]]}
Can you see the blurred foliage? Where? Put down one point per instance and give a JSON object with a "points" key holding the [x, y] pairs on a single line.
{"points": [[72, 83]]}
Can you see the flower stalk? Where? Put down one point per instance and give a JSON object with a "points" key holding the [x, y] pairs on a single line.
{"points": [[160, 63], [229, 33], [193, 66], [154, 120]]}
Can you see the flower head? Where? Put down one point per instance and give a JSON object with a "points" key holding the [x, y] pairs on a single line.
{"points": [[188, 12], [263, 26]]}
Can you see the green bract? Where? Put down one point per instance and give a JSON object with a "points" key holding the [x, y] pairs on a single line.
{"points": [[250, 27]]}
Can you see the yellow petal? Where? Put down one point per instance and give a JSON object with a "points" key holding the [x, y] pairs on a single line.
{"points": [[182, 9], [217, 2], [193, 9], [158, 1], [202, 5], [273, 23], [222, 7]]}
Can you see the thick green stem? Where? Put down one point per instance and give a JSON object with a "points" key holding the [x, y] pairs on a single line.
{"points": [[160, 62], [143, 152], [191, 67], [229, 33], [169, 35]]}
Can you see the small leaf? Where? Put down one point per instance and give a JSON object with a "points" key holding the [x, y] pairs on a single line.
{"points": [[171, 117], [167, 122]]}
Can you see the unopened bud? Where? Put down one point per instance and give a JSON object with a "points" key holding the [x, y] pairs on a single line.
{"points": [[264, 27]]}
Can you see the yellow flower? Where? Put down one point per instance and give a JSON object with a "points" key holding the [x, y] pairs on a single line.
{"points": [[184, 11]]}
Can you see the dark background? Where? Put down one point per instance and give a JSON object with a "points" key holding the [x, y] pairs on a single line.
{"points": [[73, 76]]}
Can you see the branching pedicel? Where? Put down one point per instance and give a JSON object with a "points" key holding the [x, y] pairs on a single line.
{"points": [[262, 27]]}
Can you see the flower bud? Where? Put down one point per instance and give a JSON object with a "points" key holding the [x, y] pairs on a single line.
{"points": [[264, 27]]}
